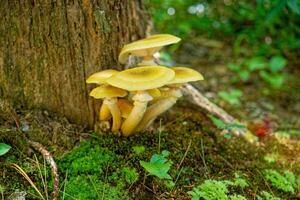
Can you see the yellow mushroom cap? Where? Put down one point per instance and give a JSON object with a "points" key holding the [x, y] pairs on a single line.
{"points": [[184, 75], [107, 91], [101, 77], [147, 46], [142, 78], [125, 107]]}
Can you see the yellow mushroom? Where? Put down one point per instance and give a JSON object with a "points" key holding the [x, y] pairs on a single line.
{"points": [[170, 94], [100, 78], [109, 95], [146, 47], [139, 80], [125, 107]]}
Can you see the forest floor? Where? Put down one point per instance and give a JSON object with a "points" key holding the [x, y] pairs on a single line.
{"points": [[187, 149]]}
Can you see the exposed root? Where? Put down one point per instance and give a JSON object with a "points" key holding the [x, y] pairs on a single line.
{"points": [[54, 169]]}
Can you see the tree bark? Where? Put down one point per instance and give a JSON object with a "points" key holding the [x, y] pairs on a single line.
{"points": [[48, 48]]}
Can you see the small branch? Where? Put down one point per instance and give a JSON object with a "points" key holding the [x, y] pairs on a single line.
{"points": [[54, 169], [185, 154]]}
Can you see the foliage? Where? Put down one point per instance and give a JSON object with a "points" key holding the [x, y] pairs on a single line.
{"points": [[267, 196], [237, 197], [239, 181], [210, 190], [159, 165], [272, 26], [138, 149], [129, 175], [4, 148], [231, 97], [285, 182], [271, 71], [224, 126]]}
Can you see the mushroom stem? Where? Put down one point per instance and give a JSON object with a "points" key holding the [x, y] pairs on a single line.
{"points": [[148, 62], [158, 108], [115, 112], [154, 110], [104, 113], [140, 105]]}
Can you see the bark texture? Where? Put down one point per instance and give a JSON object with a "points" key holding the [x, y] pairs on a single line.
{"points": [[49, 47]]}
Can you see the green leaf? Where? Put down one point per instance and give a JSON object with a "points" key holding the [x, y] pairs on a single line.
{"points": [[276, 10], [227, 136], [292, 4], [4, 148], [222, 125], [234, 67], [277, 63], [231, 97], [275, 80], [158, 166], [256, 63], [138, 149], [244, 75]]}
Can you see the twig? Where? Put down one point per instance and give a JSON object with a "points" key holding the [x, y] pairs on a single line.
{"points": [[185, 154], [48, 157], [23, 173], [203, 157]]}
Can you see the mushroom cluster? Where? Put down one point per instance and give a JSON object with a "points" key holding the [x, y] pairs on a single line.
{"points": [[132, 99]]}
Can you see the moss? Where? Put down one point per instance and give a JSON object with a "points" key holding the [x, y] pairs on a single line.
{"points": [[286, 182], [91, 187], [95, 172], [102, 21]]}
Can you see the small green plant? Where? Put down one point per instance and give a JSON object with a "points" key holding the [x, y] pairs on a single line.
{"points": [[159, 165], [237, 197], [138, 149], [4, 148], [239, 181], [285, 182], [224, 126], [267, 196], [129, 175], [271, 158], [2, 190], [270, 71], [243, 74], [211, 190], [232, 97]]}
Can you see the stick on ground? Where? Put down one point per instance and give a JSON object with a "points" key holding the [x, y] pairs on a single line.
{"points": [[54, 169]]}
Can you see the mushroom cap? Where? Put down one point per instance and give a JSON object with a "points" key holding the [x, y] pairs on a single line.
{"points": [[146, 46], [107, 91], [142, 78], [101, 77], [184, 75]]}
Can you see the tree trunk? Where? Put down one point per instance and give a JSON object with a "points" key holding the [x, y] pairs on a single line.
{"points": [[48, 48]]}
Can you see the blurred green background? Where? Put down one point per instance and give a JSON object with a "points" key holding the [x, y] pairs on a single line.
{"points": [[267, 27], [263, 36]]}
